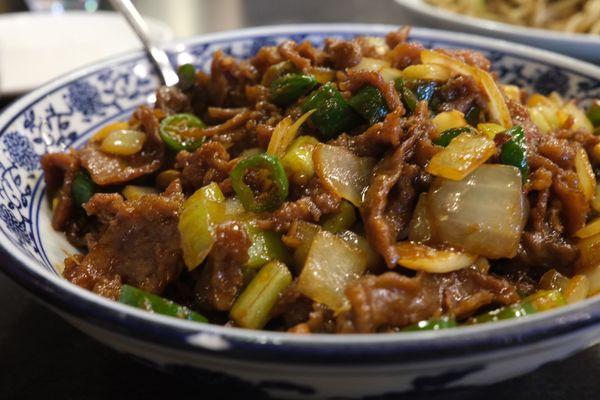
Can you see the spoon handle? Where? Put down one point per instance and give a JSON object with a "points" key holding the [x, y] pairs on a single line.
{"points": [[167, 73]]}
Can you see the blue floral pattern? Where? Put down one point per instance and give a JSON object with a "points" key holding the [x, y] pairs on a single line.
{"points": [[68, 114]]}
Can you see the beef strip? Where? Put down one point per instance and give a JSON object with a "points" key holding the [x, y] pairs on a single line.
{"points": [[359, 78], [172, 100], [460, 93], [391, 301], [222, 276], [209, 163], [379, 211], [140, 244], [111, 169], [60, 169], [228, 80], [289, 51], [342, 53], [316, 202]]}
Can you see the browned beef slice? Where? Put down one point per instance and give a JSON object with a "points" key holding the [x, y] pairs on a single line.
{"points": [[172, 100], [460, 93], [380, 210], [209, 163], [222, 276], [140, 243], [111, 169], [389, 301], [60, 169], [342, 54]]}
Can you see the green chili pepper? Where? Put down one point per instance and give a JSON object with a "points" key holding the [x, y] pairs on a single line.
{"points": [[278, 191], [425, 91], [288, 88], [472, 115], [408, 97], [540, 301], [150, 302], [514, 152], [333, 115], [446, 137], [187, 76], [83, 188], [277, 70], [173, 130], [432, 324], [593, 115], [370, 104]]}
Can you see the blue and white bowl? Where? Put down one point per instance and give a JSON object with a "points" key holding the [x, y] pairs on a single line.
{"points": [[67, 111]]}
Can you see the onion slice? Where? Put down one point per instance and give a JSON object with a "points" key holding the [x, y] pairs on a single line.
{"points": [[284, 133], [483, 214], [344, 173], [330, 265], [420, 257], [462, 156]]}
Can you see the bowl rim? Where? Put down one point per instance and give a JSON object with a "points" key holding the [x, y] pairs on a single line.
{"points": [[243, 344], [491, 26]]}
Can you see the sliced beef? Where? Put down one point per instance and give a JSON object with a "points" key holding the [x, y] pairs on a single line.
{"points": [[228, 80], [209, 163], [222, 276], [140, 244], [460, 93], [111, 169], [317, 201], [289, 51], [60, 169], [390, 301], [172, 100], [395, 38], [342, 53], [359, 78], [379, 211]]}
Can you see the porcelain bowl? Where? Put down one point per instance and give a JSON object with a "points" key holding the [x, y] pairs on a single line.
{"points": [[67, 111]]}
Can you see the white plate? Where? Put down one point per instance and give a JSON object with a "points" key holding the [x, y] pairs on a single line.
{"points": [[578, 45], [37, 47]]}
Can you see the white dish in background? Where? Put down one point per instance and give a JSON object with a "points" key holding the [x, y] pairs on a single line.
{"points": [[37, 47], [577, 45]]}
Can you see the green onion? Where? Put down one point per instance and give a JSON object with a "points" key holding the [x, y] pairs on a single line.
{"points": [[266, 246], [333, 115], [288, 88], [279, 186], [251, 310], [177, 132], [370, 104], [432, 324], [83, 188], [342, 220], [298, 161], [540, 301], [425, 91], [150, 302]]}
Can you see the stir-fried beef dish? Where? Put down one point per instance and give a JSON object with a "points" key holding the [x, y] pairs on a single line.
{"points": [[368, 185]]}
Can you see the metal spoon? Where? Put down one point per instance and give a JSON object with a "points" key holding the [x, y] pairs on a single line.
{"points": [[166, 72]]}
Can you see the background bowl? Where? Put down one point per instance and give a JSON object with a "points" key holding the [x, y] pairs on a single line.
{"points": [[579, 45], [66, 112]]}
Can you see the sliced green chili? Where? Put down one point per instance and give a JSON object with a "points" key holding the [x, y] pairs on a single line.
{"points": [[425, 91], [150, 302], [173, 131], [288, 88], [83, 188], [539, 301], [408, 97], [446, 137], [514, 152], [370, 104], [278, 182], [333, 115], [187, 76]]}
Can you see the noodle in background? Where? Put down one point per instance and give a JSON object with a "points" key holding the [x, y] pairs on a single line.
{"points": [[577, 16]]}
